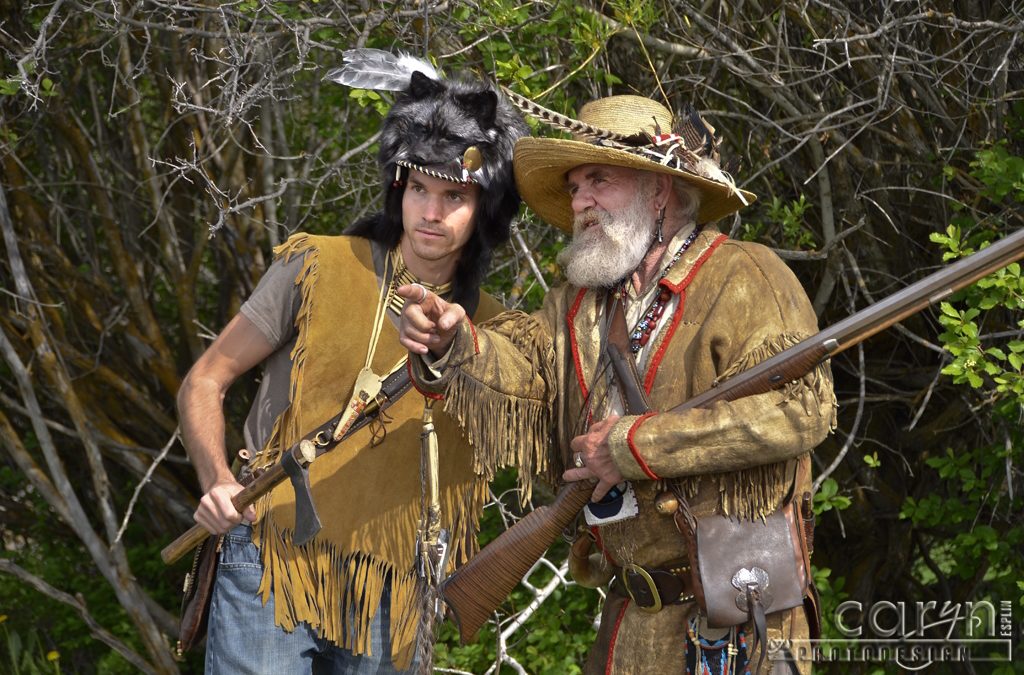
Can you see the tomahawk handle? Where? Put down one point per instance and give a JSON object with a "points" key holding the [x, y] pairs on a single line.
{"points": [[479, 587], [392, 389], [248, 495]]}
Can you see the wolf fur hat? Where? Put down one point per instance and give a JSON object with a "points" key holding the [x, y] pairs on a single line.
{"points": [[462, 130]]}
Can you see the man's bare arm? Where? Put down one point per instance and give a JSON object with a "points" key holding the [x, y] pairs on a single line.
{"points": [[238, 348]]}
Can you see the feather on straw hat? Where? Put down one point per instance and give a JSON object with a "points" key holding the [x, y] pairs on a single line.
{"points": [[630, 131]]}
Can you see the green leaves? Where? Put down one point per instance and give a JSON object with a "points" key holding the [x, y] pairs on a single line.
{"points": [[827, 498], [976, 361], [25, 657], [367, 98], [785, 225], [10, 86], [832, 591], [1001, 173]]}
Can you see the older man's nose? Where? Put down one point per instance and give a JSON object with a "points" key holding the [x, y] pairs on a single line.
{"points": [[582, 199]]}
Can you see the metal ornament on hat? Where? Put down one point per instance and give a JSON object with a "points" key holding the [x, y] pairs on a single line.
{"points": [[465, 170], [689, 146]]}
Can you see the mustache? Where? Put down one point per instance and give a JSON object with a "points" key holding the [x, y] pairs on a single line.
{"points": [[591, 216]]}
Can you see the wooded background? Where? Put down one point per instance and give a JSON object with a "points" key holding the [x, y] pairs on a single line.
{"points": [[154, 152]]}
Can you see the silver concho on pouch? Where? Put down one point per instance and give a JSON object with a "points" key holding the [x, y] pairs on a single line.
{"points": [[753, 579]]}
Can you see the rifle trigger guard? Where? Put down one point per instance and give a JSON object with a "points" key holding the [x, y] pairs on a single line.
{"points": [[307, 522]]}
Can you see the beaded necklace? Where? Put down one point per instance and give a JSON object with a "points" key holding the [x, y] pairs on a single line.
{"points": [[403, 277], [644, 328]]}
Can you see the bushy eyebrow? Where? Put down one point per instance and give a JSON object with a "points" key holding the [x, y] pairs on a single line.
{"points": [[596, 172]]}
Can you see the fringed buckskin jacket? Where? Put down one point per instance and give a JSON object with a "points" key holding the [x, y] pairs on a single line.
{"points": [[524, 380], [368, 495]]}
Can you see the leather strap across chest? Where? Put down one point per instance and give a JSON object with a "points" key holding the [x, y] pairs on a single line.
{"points": [[634, 399]]}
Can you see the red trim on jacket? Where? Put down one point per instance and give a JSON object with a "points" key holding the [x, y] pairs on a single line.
{"points": [[570, 318], [615, 636], [680, 289], [633, 449], [657, 356], [596, 531], [426, 394], [476, 340]]}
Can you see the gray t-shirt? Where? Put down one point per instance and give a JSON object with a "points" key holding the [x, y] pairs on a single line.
{"points": [[272, 308]]}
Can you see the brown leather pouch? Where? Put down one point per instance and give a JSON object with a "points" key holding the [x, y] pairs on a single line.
{"points": [[195, 605], [742, 570], [738, 564]]}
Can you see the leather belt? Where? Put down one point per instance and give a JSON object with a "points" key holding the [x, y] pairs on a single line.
{"points": [[651, 588]]}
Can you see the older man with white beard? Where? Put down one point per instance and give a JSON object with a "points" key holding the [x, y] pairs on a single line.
{"points": [[640, 189]]}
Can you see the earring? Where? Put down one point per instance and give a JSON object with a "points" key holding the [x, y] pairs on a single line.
{"points": [[658, 223]]}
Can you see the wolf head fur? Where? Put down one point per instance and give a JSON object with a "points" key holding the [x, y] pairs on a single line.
{"points": [[433, 122]]}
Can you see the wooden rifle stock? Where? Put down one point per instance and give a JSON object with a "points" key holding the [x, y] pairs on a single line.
{"points": [[473, 597], [476, 590]]}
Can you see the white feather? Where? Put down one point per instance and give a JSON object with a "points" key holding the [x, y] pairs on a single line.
{"points": [[709, 169], [379, 70]]}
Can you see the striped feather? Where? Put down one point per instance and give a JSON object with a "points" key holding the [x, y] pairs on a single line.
{"points": [[695, 132], [560, 121]]}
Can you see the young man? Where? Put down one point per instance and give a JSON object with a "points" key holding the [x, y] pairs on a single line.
{"points": [[322, 322], [649, 272]]}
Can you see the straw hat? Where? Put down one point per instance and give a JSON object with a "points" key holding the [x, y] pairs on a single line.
{"points": [[629, 131]]}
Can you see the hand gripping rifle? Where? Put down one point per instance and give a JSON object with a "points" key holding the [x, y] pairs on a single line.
{"points": [[475, 591], [294, 465]]}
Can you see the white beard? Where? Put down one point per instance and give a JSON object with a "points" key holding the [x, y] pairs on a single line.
{"points": [[612, 247]]}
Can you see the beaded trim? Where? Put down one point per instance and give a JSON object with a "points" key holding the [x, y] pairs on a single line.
{"points": [[454, 172], [644, 328]]}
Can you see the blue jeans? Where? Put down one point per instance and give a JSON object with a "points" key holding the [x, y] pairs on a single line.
{"points": [[243, 638]]}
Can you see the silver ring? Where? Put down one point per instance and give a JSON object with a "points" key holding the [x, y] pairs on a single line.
{"points": [[423, 293], [578, 461]]}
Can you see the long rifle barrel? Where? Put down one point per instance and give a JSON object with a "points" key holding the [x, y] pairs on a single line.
{"points": [[474, 592], [799, 359]]}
